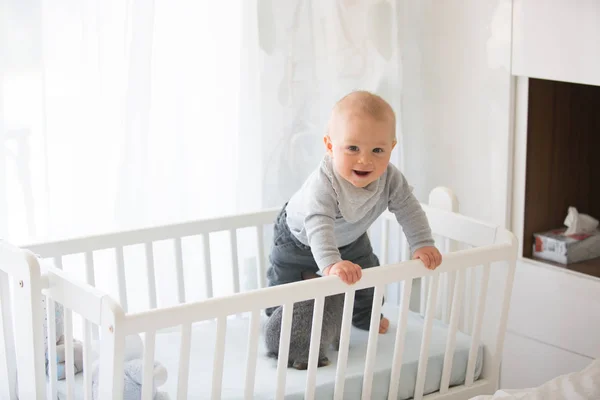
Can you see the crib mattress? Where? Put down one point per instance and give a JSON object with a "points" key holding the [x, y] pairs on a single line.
{"points": [[202, 351]]}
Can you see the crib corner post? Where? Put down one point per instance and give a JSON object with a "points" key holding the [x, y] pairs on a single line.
{"points": [[443, 198], [112, 350], [498, 349], [28, 320]]}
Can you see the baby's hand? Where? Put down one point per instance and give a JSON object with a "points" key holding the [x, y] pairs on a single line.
{"points": [[430, 256], [346, 270]]}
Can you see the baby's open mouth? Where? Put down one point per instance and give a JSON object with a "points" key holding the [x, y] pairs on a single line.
{"points": [[361, 173]]}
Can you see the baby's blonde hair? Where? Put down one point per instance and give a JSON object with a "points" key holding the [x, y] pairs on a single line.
{"points": [[363, 102]]}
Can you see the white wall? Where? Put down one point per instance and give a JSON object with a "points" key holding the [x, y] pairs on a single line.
{"points": [[455, 109]]}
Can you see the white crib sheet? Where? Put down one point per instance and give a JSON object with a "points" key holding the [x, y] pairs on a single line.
{"points": [[202, 351]]}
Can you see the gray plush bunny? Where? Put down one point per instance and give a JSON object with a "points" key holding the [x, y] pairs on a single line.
{"points": [[301, 329]]}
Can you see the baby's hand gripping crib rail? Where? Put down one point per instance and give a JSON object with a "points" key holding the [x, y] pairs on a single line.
{"points": [[451, 298]]}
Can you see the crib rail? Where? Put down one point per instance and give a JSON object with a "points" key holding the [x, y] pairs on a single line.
{"points": [[99, 310], [148, 237], [452, 232], [152, 234], [185, 315], [457, 293], [445, 224], [20, 310], [99, 313], [22, 357], [245, 302]]}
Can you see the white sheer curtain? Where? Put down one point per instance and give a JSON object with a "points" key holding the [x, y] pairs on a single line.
{"points": [[119, 114], [125, 113], [314, 52]]}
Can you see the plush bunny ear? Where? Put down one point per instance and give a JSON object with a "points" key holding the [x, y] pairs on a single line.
{"points": [[134, 371], [309, 275]]}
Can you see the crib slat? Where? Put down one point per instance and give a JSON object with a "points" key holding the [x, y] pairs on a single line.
{"points": [[405, 247], [469, 304], [58, 263], [472, 297], [69, 361], [219, 357], [400, 338], [385, 234], [112, 347], [466, 315], [261, 270], [207, 266], [427, 326], [91, 280], [89, 268], [451, 340], [184, 362], [284, 347], [424, 290], [8, 357], [449, 278], [252, 354], [87, 359], [442, 292], [507, 290], [179, 270], [121, 280], [234, 261], [313, 354], [151, 276], [52, 366], [404, 256], [477, 325], [447, 245], [450, 293], [148, 379], [340, 373], [372, 344]]}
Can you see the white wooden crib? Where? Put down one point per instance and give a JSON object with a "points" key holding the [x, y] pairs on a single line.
{"points": [[449, 348]]}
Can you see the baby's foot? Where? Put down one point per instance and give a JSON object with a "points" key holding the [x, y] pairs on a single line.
{"points": [[384, 324], [300, 365], [323, 362]]}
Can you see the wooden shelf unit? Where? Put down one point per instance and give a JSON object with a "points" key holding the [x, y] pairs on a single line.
{"points": [[563, 159]]}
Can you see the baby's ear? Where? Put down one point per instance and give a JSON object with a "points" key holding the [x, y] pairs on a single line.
{"points": [[328, 144]]}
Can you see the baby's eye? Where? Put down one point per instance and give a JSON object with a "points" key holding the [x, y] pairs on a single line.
{"points": [[353, 148], [378, 150]]}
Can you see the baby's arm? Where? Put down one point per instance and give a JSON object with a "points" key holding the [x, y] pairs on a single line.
{"points": [[319, 222], [320, 232], [321, 238], [412, 218]]}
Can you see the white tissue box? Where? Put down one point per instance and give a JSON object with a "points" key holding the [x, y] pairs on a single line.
{"points": [[554, 246]]}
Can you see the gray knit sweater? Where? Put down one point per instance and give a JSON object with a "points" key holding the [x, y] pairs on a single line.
{"points": [[328, 212]]}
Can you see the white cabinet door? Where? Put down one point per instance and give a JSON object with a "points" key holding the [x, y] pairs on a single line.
{"points": [[557, 40], [554, 306], [527, 363]]}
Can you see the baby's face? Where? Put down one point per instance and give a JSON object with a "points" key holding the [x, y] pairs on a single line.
{"points": [[360, 147]]}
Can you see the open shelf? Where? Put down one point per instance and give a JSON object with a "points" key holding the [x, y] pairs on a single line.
{"points": [[563, 163]]}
